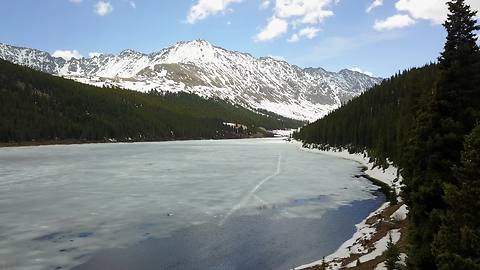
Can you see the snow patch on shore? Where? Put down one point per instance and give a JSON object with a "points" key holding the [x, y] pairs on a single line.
{"points": [[380, 247], [283, 132], [364, 231], [388, 175], [400, 214]]}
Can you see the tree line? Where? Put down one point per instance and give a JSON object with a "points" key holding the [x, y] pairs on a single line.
{"points": [[427, 122]]}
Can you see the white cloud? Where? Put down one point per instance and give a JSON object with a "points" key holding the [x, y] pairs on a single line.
{"points": [[294, 38], [475, 5], [75, 1], [94, 54], [102, 8], [308, 32], [265, 4], [362, 71], [205, 8], [375, 4], [305, 11], [275, 28], [133, 4], [67, 54], [434, 11], [297, 13], [393, 22]]}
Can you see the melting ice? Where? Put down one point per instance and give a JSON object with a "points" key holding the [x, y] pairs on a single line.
{"points": [[60, 205]]}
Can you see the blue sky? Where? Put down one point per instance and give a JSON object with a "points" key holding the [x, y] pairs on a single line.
{"points": [[378, 36]]}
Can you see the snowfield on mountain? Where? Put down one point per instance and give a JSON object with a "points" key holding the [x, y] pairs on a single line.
{"points": [[209, 71]]}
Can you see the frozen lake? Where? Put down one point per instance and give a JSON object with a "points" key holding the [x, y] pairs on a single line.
{"points": [[231, 204]]}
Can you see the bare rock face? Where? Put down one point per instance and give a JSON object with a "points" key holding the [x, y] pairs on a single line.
{"points": [[209, 71]]}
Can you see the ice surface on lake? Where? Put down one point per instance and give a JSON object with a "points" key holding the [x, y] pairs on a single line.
{"points": [[61, 204]]}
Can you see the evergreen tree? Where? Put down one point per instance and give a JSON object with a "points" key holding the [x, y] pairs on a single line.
{"points": [[458, 96], [457, 245], [393, 197], [392, 255], [437, 140]]}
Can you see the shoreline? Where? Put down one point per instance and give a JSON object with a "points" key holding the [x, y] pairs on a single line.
{"points": [[361, 247], [80, 142]]}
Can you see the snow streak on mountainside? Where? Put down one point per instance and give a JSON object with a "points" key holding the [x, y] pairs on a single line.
{"points": [[209, 71]]}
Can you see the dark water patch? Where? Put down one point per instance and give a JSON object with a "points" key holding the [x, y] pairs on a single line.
{"points": [[243, 242], [85, 234], [295, 203], [64, 236], [54, 237], [305, 201], [68, 249]]}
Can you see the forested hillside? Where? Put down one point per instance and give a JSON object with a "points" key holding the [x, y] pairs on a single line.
{"points": [[427, 121], [379, 120], [41, 107]]}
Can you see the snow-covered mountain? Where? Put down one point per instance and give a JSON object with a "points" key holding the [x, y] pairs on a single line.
{"points": [[209, 71]]}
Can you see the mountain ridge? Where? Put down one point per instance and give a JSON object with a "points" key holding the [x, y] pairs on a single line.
{"points": [[207, 70]]}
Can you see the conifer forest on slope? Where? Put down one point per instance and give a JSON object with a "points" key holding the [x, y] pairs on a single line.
{"points": [[41, 107], [427, 122]]}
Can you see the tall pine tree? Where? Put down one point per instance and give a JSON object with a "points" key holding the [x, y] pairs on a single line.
{"points": [[457, 245], [437, 140], [392, 255]]}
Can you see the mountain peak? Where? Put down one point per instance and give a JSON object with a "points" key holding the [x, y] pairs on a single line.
{"points": [[197, 42], [350, 71], [201, 41], [355, 71], [129, 52], [193, 51], [199, 67]]}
